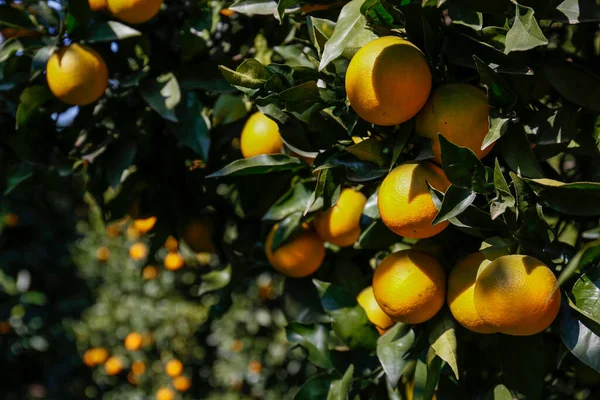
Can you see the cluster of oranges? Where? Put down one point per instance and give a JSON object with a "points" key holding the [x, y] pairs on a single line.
{"points": [[76, 73], [389, 82]]}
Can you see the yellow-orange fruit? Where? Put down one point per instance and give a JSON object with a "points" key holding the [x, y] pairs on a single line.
{"points": [[134, 11], [298, 257], [514, 295], [113, 366], [171, 244], [388, 81], [138, 368], [340, 224], [98, 5], [226, 12], [144, 225], [376, 315], [133, 341], [410, 286], [77, 74], [404, 201], [461, 288], [96, 356], [255, 367], [138, 251], [198, 235], [182, 383], [260, 136], [150, 272], [102, 254], [458, 111], [174, 261], [165, 393], [174, 368]]}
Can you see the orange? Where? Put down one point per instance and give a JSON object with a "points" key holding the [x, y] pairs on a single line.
{"points": [[150, 272], [388, 81], [174, 261], [461, 288], [300, 256], [138, 251], [165, 393], [133, 341], [226, 12], [144, 225], [404, 201], [174, 368], [514, 295], [171, 244], [98, 5], [77, 75], [134, 11], [182, 383], [340, 224], [113, 230], [96, 355], [380, 319], [255, 367], [197, 234], [113, 365], [410, 286], [458, 111], [102, 254], [138, 368], [11, 220], [260, 136]]}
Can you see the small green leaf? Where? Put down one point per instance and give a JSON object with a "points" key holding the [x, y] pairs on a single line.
{"points": [[31, 99], [110, 31], [119, 157], [14, 17], [504, 198], [314, 339], [162, 94], [499, 93], [300, 98], [580, 335], [463, 15], [501, 392], [369, 149], [586, 294], [338, 390], [498, 127], [228, 108], [495, 247], [327, 191], [316, 387], [250, 74], [40, 58], [215, 280], [577, 198], [294, 200], [462, 167], [392, 349], [258, 165], [258, 7], [282, 5], [17, 174], [576, 11], [456, 200], [525, 33], [442, 337], [574, 83], [585, 256], [286, 229], [192, 129], [515, 149]]}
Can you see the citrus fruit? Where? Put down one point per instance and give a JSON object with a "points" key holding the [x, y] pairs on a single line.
{"points": [[165, 393], [171, 244], [226, 12], [458, 111], [300, 256], [410, 286], [77, 75], [98, 5], [138, 251], [138, 368], [404, 201], [388, 81], [260, 136], [380, 319], [198, 235], [97, 355], [133, 341], [255, 367], [102, 254], [144, 225], [134, 11], [113, 365], [150, 272], [339, 225], [461, 287], [174, 368], [174, 261], [515, 295], [182, 383]]}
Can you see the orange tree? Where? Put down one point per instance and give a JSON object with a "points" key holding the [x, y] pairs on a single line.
{"points": [[406, 188]]}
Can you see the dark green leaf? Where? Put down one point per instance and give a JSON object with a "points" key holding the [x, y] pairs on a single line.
{"points": [[495, 247], [286, 228], [162, 94], [466, 16], [192, 129], [119, 157], [392, 348], [327, 191], [442, 337], [315, 388], [586, 294], [17, 174], [574, 83], [456, 200], [525, 33], [260, 165], [577, 198], [504, 198], [300, 98], [585, 256], [32, 98], [339, 388], [375, 11], [228, 108], [314, 339], [215, 280], [534, 227], [369, 149], [14, 17], [294, 200], [110, 31], [580, 336], [498, 127], [282, 5], [40, 58], [516, 151], [250, 74], [576, 11], [462, 167], [499, 93]]}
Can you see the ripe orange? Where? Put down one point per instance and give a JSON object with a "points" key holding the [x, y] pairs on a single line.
{"points": [[138, 368], [458, 111], [144, 225], [198, 235], [260, 136], [255, 367], [171, 244], [300, 256], [182, 383], [340, 224], [77, 75], [138, 251], [113, 366], [150, 272], [410, 286], [388, 81], [174, 368], [376, 315], [514, 295], [404, 201], [226, 12], [102, 254], [133, 341], [174, 261], [165, 393], [134, 11], [461, 288], [98, 5], [96, 356]]}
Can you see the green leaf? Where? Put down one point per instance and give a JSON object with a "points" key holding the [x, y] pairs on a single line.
{"points": [[392, 348], [574, 83], [553, 126], [349, 320], [258, 7], [466, 16], [215, 280], [301, 302], [577, 198], [369, 149], [585, 256], [501, 392], [192, 129], [14, 17], [534, 227], [31, 99], [580, 336], [314, 339], [499, 93], [504, 198], [442, 337], [375, 11], [315, 388], [294, 200], [228, 108], [250, 74], [586, 294], [119, 157], [259, 165], [524, 361], [576, 11], [456, 200], [339, 388], [498, 127], [327, 191], [462, 167], [162, 94], [350, 24], [282, 5], [17, 174], [516, 151], [40, 58], [110, 31], [286, 228], [495, 247], [525, 33], [300, 98]]}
